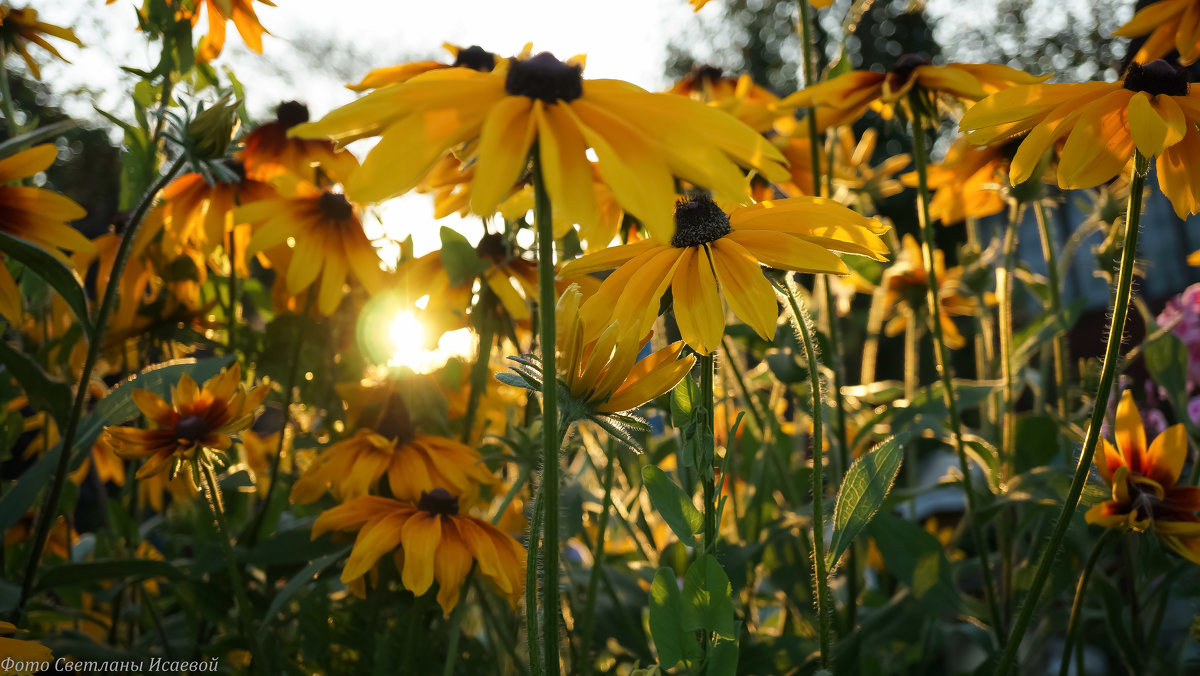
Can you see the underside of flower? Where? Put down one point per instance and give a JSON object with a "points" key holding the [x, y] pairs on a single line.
{"points": [[475, 58], [698, 220], [438, 501], [291, 113], [544, 77], [904, 66], [1157, 77], [394, 422]]}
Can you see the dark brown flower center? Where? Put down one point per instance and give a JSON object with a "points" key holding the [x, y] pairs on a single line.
{"points": [[698, 220], [236, 167], [475, 58], [705, 73], [394, 422], [544, 77], [191, 428], [1156, 77], [438, 501], [291, 113], [905, 65], [335, 207], [492, 246]]}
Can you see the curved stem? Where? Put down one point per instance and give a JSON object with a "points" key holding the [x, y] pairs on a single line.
{"points": [[551, 439], [1062, 387], [1077, 606], [802, 324], [942, 355], [1108, 372], [71, 431]]}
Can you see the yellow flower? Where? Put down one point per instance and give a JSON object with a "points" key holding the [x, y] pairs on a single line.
{"points": [[22, 652], [109, 466], [605, 374], [19, 27], [473, 57], [258, 452], [968, 182], [1145, 494], [1172, 24], [846, 97], [906, 281], [220, 11], [329, 241], [642, 140], [739, 96], [200, 214], [1151, 110], [198, 420], [269, 151], [855, 181], [714, 256], [432, 541], [413, 462], [35, 215]]}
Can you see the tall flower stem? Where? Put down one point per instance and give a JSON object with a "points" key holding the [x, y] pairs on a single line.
{"points": [[233, 292], [212, 498], [803, 325], [1008, 416], [589, 611], [532, 632], [1108, 371], [1077, 606], [486, 329], [942, 353], [1059, 345], [707, 451], [551, 439], [71, 430], [984, 337]]}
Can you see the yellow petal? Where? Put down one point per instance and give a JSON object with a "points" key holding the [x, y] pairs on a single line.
{"points": [[503, 152], [744, 288], [420, 537], [697, 302]]}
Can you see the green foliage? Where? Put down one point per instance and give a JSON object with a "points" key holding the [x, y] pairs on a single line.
{"points": [[863, 491]]}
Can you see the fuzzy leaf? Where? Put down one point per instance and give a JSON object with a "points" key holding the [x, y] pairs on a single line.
{"points": [[866, 485]]}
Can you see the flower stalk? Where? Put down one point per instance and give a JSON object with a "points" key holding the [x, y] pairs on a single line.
{"points": [[71, 431], [942, 359], [1059, 344], [1077, 606], [1108, 371]]}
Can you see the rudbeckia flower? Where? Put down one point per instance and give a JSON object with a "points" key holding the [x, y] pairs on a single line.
{"points": [[844, 99], [219, 12], [642, 141], [714, 256], [200, 214], [35, 215], [431, 540], [739, 96], [473, 57], [195, 426], [20, 27], [855, 181], [1145, 494], [906, 282], [1151, 110], [329, 241], [20, 650], [1172, 24], [269, 151], [968, 182], [413, 462]]}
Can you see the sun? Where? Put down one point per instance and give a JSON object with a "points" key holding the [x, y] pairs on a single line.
{"points": [[407, 339]]}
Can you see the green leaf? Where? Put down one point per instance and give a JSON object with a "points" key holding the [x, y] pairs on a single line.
{"points": [[1166, 360], [35, 136], [723, 658], [1037, 437], [55, 273], [45, 393], [306, 575], [673, 642], [116, 408], [916, 558], [1030, 340], [674, 505], [115, 569], [866, 485], [682, 397], [708, 598], [459, 258]]}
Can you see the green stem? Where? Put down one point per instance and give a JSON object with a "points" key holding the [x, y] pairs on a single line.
{"points": [[912, 356], [551, 438], [802, 323], [233, 292], [241, 601], [71, 430], [486, 329], [1008, 427], [1062, 387], [6, 99], [810, 70], [703, 417], [454, 625], [942, 354], [532, 629], [1077, 605], [1108, 372], [589, 610], [416, 628]]}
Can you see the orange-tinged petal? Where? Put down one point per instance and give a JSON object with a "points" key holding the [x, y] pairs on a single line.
{"points": [[1130, 434], [1165, 457], [377, 537], [1151, 133], [744, 288], [421, 537], [697, 301]]}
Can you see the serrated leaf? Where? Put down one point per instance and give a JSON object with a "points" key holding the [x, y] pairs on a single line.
{"points": [[673, 505], [54, 272], [708, 598], [863, 490]]}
